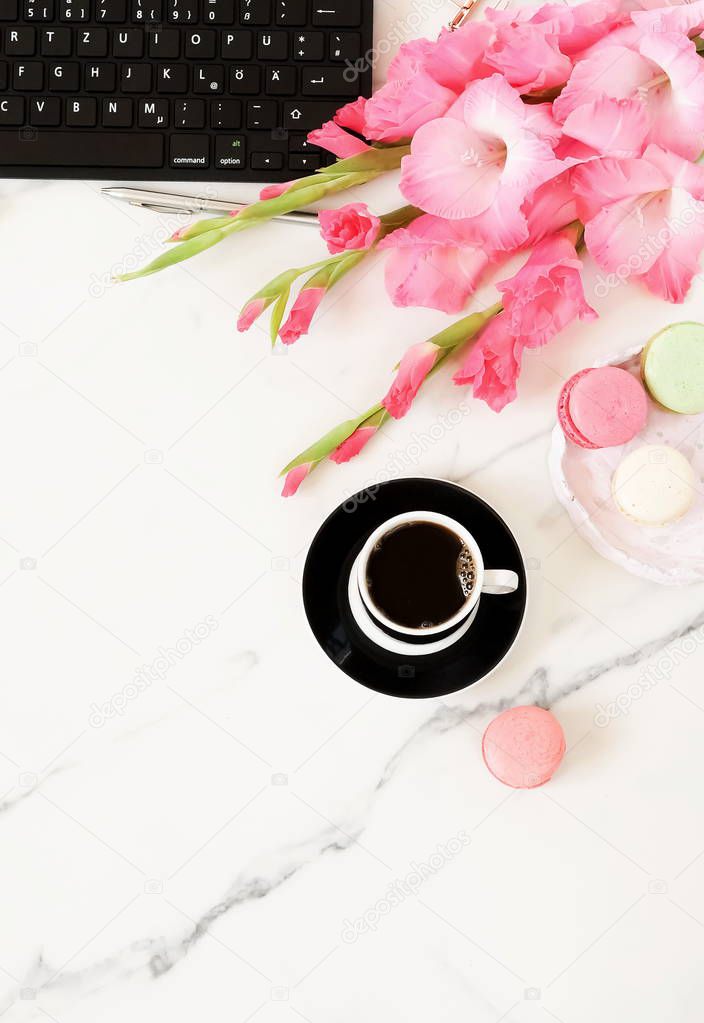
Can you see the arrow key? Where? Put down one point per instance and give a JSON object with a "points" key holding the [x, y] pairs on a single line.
{"points": [[267, 161], [330, 81], [306, 116]]}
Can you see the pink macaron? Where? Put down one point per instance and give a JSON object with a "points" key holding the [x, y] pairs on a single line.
{"points": [[523, 747], [602, 408]]}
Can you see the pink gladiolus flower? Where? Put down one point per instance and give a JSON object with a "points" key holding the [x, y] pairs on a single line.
{"points": [[608, 127], [484, 165], [687, 18], [353, 445], [574, 27], [412, 371], [529, 59], [493, 364], [546, 294], [336, 140], [644, 218], [301, 314], [458, 57], [294, 478], [400, 107], [352, 115], [410, 59], [549, 208], [349, 227], [252, 311], [661, 71], [432, 264]]}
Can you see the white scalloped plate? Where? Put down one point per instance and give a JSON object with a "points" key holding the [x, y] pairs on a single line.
{"points": [[671, 555]]}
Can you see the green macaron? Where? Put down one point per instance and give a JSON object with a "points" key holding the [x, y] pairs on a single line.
{"points": [[672, 365]]}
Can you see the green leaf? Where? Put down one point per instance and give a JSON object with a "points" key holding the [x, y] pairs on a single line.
{"points": [[177, 254], [277, 314]]}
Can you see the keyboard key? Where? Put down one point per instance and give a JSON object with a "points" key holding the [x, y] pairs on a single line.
{"points": [[117, 113], [200, 45], [300, 144], [190, 151], [83, 149], [244, 79], [262, 115], [219, 12], [255, 12], [146, 11], [81, 113], [308, 46], [304, 161], [38, 10], [230, 152], [74, 10], [291, 12], [136, 78], [20, 42], [100, 77], [45, 112], [110, 12], [209, 79], [345, 46], [28, 77], [226, 114], [272, 46], [164, 44], [64, 77], [11, 115], [4, 75], [280, 81], [306, 116], [92, 42], [236, 45], [189, 113], [267, 161], [172, 78], [329, 81], [185, 12], [128, 44], [55, 42], [337, 13], [153, 113]]}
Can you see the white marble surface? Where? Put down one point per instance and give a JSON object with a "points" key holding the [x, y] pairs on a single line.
{"points": [[225, 827]]}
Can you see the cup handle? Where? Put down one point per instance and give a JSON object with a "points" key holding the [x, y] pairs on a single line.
{"points": [[499, 581]]}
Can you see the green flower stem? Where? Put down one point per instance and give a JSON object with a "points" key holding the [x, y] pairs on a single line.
{"points": [[448, 340], [202, 235]]}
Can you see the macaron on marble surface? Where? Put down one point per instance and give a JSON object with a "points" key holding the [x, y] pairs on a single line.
{"points": [[602, 407], [654, 485], [523, 747], [672, 366]]}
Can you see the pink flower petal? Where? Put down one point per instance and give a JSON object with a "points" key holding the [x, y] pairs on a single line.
{"points": [[294, 478], [274, 191], [440, 277], [250, 312], [676, 107], [529, 59], [687, 18], [575, 27], [549, 208], [615, 71], [459, 57], [493, 365], [352, 115], [353, 445], [412, 371], [349, 227], [410, 59], [399, 108]]}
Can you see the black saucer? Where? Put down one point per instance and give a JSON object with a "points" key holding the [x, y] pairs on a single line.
{"points": [[326, 574]]}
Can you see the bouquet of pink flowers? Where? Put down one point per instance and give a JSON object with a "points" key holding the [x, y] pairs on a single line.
{"points": [[540, 131]]}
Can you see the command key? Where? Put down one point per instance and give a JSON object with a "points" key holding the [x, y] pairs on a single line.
{"points": [[230, 152]]}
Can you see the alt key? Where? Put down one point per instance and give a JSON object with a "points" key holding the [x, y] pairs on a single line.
{"points": [[230, 152]]}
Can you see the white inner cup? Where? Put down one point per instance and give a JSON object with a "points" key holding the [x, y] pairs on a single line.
{"points": [[494, 581]]}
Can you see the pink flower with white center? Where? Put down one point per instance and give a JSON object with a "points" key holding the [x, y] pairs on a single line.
{"points": [[493, 364], [644, 218], [661, 71], [302, 312], [252, 311], [349, 227], [529, 59], [295, 477], [575, 27], [336, 140], [353, 445], [482, 165], [546, 294], [459, 57], [412, 371], [432, 264], [398, 109]]}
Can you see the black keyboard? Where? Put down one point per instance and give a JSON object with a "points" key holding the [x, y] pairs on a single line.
{"points": [[211, 90]]}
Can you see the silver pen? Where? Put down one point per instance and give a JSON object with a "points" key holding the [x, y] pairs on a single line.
{"points": [[166, 202]]}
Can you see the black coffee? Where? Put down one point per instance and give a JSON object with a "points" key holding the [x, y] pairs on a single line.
{"points": [[420, 574]]}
